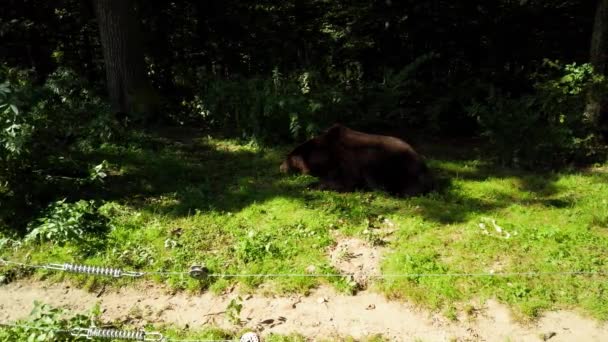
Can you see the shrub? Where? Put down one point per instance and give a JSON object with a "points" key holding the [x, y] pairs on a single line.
{"points": [[271, 108], [43, 131], [67, 222], [298, 105], [46, 323], [547, 128]]}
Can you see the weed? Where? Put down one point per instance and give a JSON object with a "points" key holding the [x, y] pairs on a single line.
{"points": [[256, 247], [68, 222], [272, 337], [233, 310], [451, 313], [46, 323], [134, 255], [469, 310]]}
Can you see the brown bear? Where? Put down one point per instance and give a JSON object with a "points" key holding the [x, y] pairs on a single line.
{"points": [[346, 160]]}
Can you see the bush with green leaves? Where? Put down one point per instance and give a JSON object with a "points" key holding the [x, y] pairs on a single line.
{"points": [[44, 131], [298, 105], [61, 111], [15, 132], [68, 222], [399, 97], [268, 108], [547, 128], [46, 323]]}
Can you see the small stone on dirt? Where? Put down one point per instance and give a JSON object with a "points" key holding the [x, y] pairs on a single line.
{"points": [[322, 300], [295, 302], [549, 335], [370, 307], [311, 269]]}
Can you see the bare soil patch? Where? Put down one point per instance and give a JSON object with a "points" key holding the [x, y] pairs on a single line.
{"points": [[322, 314], [356, 257]]}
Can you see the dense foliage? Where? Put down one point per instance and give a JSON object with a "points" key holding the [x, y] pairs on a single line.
{"points": [[547, 127], [348, 53], [45, 132]]}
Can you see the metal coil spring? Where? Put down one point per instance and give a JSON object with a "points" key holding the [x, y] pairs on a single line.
{"points": [[94, 270], [113, 334], [110, 334]]}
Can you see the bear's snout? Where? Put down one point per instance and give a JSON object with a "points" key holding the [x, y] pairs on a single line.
{"points": [[284, 167]]}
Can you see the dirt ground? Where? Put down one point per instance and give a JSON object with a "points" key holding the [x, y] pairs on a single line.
{"points": [[323, 314]]}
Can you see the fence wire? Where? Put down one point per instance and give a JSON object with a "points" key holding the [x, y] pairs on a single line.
{"points": [[199, 272]]}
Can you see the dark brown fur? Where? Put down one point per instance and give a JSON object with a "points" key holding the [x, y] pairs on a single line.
{"points": [[345, 160]]}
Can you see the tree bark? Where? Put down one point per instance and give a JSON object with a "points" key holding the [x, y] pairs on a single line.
{"points": [[128, 86], [597, 105]]}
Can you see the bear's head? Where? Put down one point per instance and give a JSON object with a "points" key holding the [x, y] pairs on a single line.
{"points": [[314, 156], [294, 163]]}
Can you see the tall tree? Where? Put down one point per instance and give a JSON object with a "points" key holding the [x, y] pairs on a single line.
{"points": [[128, 86], [597, 106]]}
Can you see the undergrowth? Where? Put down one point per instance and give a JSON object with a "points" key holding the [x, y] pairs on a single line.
{"points": [[47, 323]]}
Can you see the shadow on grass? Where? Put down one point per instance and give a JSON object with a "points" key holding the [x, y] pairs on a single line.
{"points": [[179, 179], [181, 175]]}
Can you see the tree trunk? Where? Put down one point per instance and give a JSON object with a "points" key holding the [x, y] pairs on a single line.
{"points": [[597, 105], [128, 86]]}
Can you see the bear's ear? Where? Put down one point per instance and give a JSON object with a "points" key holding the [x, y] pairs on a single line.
{"points": [[335, 126]]}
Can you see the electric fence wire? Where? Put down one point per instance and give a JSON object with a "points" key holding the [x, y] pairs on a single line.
{"points": [[199, 272]]}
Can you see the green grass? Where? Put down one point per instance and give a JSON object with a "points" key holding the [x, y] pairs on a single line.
{"points": [[225, 205], [555, 222]]}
